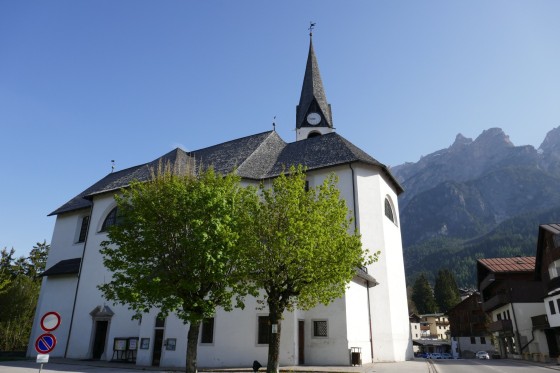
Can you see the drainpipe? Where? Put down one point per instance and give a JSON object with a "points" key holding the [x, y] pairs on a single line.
{"points": [[367, 282], [78, 282], [516, 330]]}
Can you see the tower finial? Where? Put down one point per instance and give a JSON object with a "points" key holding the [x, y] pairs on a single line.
{"points": [[274, 124], [311, 26], [112, 165]]}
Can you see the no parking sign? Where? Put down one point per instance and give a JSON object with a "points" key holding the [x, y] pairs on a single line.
{"points": [[45, 343]]}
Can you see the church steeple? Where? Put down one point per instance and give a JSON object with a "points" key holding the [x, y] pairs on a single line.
{"points": [[313, 114]]}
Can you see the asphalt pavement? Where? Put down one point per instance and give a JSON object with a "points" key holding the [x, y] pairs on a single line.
{"points": [[80, 366]]}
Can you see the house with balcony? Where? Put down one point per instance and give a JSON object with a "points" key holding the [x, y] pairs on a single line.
{"points": [[467, 325], [512, 298], [430, 332], [547, 270]]}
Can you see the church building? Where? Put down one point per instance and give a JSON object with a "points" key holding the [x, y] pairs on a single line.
{"points": [[368, 324]]}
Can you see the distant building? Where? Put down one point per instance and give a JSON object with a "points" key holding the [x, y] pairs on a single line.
{"points": [[433, 335], [372, 316], [547, 270], [467, 326], [511, 296]]}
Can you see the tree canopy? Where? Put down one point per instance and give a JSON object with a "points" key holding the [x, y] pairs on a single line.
{"points": [[304, 251], [19, 291], [446, 292], [423, 295], [178, 247]]}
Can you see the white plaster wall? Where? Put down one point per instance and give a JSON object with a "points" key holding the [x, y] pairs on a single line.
{"points": [[466, 347], [89, 297], [56, 295], [553, 320], [391, 333], [523, 314], [358, 324]]}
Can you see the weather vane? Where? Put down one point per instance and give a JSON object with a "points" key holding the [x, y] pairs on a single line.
{"points": [[311, 26], [112, 165], [274, 123]]}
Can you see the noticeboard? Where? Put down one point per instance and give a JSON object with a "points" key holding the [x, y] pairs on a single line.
{"points": [[120, 344]]}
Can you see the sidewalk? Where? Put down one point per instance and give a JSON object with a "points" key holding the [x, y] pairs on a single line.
{"points": [[80, 366]]}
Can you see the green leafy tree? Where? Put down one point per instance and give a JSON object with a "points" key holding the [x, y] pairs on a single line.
{"points": [[446, 292], [302, 253], [18, 297], [423, 296], [178, 247]]}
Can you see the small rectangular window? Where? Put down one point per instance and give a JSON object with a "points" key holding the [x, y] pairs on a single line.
{"points": [[83, 229], [509, 316], [483, 340], [558, 303], [263, 337], [552, 308], [207, 332], [320, 328], [499, 317], [473, 340]]}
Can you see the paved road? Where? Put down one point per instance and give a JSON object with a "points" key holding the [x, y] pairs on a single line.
{"points": [[74, 366], [490, 366]]}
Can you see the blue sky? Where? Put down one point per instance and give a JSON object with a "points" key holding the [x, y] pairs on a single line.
{"points": [[86, 82]]}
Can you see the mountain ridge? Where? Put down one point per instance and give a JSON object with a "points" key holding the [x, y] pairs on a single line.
{"points": [[469, 189]]}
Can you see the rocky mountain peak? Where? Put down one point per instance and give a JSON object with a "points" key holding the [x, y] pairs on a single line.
{"points": [[492, 138], [460, 141], [551, 141]]}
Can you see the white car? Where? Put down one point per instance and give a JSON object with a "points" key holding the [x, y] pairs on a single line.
{"points": [[482, 355]]}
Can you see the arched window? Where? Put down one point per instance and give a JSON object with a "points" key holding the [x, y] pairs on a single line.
{"points": [[389, 210], [111, 219]]}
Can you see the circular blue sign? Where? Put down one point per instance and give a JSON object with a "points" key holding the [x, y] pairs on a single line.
{"points": [[45, 343]]}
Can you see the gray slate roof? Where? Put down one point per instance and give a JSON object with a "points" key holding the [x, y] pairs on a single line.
{"points": [[64, 267], [257, 157], [312, 88]]}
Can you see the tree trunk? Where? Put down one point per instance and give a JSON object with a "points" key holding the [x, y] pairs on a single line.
{"points": [[192, 345], [275, 317]]}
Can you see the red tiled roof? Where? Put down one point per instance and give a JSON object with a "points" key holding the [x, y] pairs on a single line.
{"points": [[515, 264]]}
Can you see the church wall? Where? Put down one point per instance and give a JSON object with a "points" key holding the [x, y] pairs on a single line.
{"points": [[390, 326], [89, 297], [57, 294], [358, 325]]}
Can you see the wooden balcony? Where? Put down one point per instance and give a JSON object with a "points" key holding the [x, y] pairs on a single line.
{"points": [[495, 302], [488, 280], [500, 326]]}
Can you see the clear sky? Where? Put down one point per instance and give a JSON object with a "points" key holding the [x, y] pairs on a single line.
{"points": [[86, 82]]}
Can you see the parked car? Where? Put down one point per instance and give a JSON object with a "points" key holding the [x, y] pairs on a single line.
{"points": [[482, 355], [445, 355], [435, 355]]}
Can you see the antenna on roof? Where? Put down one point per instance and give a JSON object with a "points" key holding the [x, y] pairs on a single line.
{"points": [[112, 165], [274, 124]]}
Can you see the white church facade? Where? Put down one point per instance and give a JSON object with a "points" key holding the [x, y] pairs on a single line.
{"points": [[371, 319]]}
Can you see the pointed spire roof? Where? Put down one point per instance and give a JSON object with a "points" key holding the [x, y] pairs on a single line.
{"points": [[312, 90]]}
